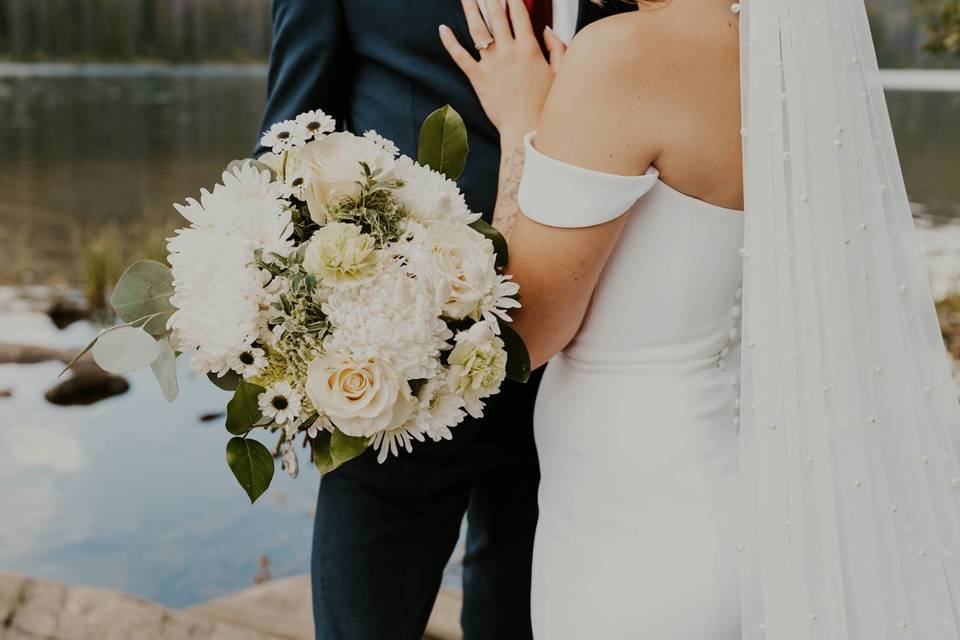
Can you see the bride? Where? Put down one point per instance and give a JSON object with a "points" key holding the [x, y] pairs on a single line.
{"points": [[648, 214]]}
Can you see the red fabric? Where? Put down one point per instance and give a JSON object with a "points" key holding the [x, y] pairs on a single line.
{"points": [[541, 15]]}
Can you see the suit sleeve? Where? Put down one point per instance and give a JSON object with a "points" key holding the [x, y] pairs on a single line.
{"points": [[309, 61]]}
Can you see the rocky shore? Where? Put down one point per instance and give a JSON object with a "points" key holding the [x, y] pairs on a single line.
{"points": [[32, 609]]}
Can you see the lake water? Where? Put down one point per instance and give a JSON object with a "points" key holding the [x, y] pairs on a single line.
{"points": [[133, 493]]}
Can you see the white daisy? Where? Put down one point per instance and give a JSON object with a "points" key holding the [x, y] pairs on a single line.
{"points": [[390, 442], [249, 362], [285, 135], [316, 123], [387, 145], [281, 402]]}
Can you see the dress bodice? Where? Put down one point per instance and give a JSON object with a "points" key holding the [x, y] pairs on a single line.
{"points": [[669, 292]]}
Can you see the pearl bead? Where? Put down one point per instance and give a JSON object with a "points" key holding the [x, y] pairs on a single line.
{"points": [[955, 482], [735, 8], [872, 420], [893, 507], [857, 483]]}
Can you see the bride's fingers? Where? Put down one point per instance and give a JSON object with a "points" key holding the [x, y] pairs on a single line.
{"points": [[497, 16], [475, 22], [555, 47], [460, 56], [520, 18]]}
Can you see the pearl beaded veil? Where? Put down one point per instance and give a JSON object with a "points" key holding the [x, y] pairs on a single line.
{"points": [[850, 419]]}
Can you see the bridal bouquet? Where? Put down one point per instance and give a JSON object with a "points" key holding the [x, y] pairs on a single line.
{"points": [[344, 294]]}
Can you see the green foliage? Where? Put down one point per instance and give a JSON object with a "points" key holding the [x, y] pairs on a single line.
{"points": [[518, 358], [165, 370], [243, 411], [375, 209], [125, 349], [499, 242], [251, 464], [100, 264], [331, 450], [443, 142], [144, 289], [228, 381]]}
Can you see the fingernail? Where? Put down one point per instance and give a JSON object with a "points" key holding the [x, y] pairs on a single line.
{"points": [[549, 29], [444, 28]]}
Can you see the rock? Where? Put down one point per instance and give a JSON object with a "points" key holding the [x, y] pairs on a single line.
{"points": [[63, 313], [284, 607], [86, 385], [41, 610], [210, 417], [5, 393], [27, 354]]}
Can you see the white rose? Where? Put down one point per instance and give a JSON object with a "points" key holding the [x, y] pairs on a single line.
{"points": [[341, 255], [361, 398], [466, 263], [332, 168], [478, 366]]}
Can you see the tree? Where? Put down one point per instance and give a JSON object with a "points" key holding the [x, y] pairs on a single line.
{"points": [[943, 25]]}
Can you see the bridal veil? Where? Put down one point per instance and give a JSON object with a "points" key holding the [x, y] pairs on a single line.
{"points": [[850, 418]]}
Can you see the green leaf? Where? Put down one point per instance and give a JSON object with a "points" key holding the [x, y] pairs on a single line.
{"points": [[165, 370], [331, 450], [144, 289], [499, 242], [125, 349], [243, 412], [518, 358], [252, 465], [443, 142], [228, 381]]}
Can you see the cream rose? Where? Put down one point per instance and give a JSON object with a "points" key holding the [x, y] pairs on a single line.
{"points": [[332, 169], [465, 261], [361, 398], [341, 255], [478, 366]]}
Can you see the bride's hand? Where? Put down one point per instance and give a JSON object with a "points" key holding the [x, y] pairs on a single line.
{"points": [[512, 77]]}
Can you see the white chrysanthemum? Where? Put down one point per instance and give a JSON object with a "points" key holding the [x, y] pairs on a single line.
{"points": [[281, 402], [218, 290], [498, 299], [438, 409], [478, 366], [332, 168], [391, 442], [284, 135], [387, 145], [430, 196], [393, 318], [249, 362], [316, 122]]}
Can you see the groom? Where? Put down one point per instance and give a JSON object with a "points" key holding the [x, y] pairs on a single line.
{"points": [[384, 533]]}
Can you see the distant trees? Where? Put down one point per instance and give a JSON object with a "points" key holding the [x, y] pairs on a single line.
{"points": [[167, 30], [943, 25]]}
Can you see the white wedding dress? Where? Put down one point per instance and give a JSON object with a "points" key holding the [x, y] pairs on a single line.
{"points": [[636, 421]]}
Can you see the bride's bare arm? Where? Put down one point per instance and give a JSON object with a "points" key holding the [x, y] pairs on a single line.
{"points": [[591, 120]]}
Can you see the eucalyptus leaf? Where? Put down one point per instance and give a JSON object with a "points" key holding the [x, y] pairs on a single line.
{"points": [[228, 381], [251, 464], [332, 450], [144, 289], [499, 242], [243, 411], [125, 349], [518, 358], [443, 142], [165, 370]]}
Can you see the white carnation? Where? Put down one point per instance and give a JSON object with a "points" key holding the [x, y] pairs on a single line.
{"points": [[478, 366], [341, 255]]}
